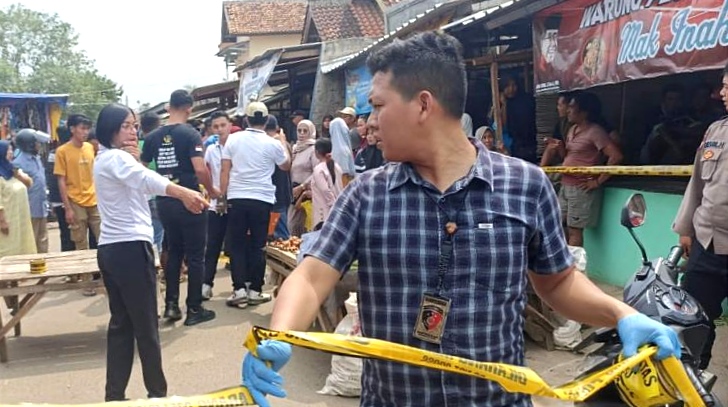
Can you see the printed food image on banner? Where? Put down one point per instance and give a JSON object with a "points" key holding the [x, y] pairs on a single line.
{"points": [[358, 85], [584, 43]]}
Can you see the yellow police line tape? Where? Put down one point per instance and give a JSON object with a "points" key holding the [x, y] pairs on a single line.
{"points": [[633, 170], [514, 379]]}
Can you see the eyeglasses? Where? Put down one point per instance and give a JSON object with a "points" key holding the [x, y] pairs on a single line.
{"points": [[130, 126], [303, 131]]}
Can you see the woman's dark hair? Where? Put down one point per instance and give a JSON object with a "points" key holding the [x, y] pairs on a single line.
{"points": [[330, 117], [109, 123], [323, 147]]}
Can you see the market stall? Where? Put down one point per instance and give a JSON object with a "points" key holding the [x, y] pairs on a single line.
{"points": [[627, 60], [28, 110], [281, 258]]}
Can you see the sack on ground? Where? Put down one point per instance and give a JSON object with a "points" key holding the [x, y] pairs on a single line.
{"points": [[345, 377]]}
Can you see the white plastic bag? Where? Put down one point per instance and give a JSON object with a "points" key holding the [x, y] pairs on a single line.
{"points": [[345, 377]]}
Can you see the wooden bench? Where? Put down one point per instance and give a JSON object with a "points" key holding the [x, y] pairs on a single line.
{"points": [[66, 271]]}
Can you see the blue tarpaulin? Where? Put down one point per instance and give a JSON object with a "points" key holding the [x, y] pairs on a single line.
{"points": [[9, 98]]}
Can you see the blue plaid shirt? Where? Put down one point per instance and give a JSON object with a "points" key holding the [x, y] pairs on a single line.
{"points": [[394, 223]]}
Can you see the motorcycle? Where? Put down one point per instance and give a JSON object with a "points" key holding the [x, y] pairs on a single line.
{"points": [[653, 290]]}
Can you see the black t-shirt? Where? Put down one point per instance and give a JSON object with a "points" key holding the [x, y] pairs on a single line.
{"points": [[172, 147]]}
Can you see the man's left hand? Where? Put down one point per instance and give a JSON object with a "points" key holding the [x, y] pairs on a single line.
{"points": [[638, 329], [590, 185]]}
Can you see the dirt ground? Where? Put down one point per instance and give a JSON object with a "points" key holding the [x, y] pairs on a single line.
{"points": [[61, 356]]}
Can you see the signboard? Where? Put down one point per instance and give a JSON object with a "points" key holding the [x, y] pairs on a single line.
{"points": [[253, 79], [358, 85], [583, 43]]}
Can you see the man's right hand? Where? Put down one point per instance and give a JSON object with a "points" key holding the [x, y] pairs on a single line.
{"points": [[70, 216], [686, 243], [260, 373]]}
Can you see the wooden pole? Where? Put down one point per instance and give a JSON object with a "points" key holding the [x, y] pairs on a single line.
{"points": [[495, 91]]}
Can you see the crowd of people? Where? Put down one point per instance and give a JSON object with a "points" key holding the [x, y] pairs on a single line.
{"points": [[447, 226]]}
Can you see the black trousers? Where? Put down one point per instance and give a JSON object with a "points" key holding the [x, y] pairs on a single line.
{"points": [[131, 283], [216, 232], [248, 252], [185, 234], [707, 280], [67, 244]]}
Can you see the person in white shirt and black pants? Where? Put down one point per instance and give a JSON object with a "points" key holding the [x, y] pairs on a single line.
{"points": [[125, 255], [248, 161], [217, 218]]}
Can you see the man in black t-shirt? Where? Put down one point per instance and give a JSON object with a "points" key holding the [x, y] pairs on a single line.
{"points": [[177, 150]]}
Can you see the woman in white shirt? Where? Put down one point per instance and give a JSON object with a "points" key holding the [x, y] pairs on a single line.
{"points": [[125, 255]]}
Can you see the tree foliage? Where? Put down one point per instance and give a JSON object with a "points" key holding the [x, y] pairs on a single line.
{"points": [[38, 54]]}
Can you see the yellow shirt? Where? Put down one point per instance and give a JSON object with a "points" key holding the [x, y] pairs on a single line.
{"points": [[77, 165]]}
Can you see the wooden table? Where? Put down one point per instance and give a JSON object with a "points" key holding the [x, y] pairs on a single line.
{"points": [[66, 271], [282, 263]]}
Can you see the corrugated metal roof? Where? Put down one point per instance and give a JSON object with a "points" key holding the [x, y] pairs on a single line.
{"points": [[404, 29]]}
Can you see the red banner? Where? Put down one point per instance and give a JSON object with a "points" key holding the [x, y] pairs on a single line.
{"points": [[582, 43]]}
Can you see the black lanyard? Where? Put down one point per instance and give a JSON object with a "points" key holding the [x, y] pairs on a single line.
{"points": [[452, 212]]}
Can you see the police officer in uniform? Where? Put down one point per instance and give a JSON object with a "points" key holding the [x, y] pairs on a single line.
{"points": [[702, 223]]}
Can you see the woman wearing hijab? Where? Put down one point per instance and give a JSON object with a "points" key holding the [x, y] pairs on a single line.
{"points": [[342, 149], [125, 254], [303, 161], [16, 229]]}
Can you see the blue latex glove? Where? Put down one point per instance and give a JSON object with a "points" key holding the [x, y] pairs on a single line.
{"points": [[260, 373], [638, 329]]}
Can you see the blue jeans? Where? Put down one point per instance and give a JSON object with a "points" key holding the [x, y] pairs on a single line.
{"points": [[157, 225], [281, 231]]}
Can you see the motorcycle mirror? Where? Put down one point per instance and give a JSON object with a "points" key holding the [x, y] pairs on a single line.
{"points": [[634, 211]]}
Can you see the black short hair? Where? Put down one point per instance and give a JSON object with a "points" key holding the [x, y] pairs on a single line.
{"points": [[673, 88], [149, 122], [565, 95], [590, 104], [180, 99], [109, 123], [257, 120], [431, 61], [298, 113], [218, 114], [272, 123], [78, 119]]}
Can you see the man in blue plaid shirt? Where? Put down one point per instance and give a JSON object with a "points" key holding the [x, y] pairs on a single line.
{"points": [[447, 236]]}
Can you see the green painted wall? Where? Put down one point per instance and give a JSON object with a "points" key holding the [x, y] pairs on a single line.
{"points": [[612, 255]]}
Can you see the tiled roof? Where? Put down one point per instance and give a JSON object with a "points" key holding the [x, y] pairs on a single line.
{"points": [[256, 17], [347, 19], [388, 3]]}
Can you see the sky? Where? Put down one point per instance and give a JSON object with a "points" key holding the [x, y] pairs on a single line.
{"points": [[149, 47]]}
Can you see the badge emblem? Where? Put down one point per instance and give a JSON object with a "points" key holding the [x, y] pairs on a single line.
{"points": [[431, 318], [708, 154]]}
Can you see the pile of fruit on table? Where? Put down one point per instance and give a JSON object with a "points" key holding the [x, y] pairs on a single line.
{"points": [[292, 245]]}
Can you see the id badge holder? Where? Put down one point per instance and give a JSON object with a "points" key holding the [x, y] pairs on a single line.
{"points": [[431, 318]]}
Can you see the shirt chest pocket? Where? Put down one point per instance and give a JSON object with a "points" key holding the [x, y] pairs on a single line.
{"points": [[494, 254], [709, 163]]}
